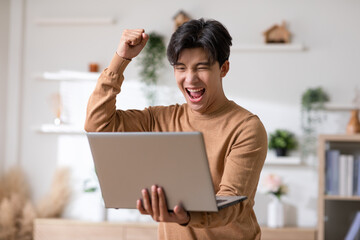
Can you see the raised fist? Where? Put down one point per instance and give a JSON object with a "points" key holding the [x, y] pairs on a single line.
{"points": [[131, 43]]}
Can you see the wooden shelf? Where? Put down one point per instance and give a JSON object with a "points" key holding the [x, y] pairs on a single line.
{"points": [[342, 198], [64, 229], [268, 47], [284, 161], [288, 233], [66, 75], [339, 107], [340, 138], [74, 21], [60, 129]]}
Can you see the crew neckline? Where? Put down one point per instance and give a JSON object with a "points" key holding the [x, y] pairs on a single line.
{"points": [[213, 114]]}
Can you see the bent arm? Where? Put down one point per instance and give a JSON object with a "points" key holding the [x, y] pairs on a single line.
{"points": [[101, 115], [101, 108], [241, 175], [101, 112]]}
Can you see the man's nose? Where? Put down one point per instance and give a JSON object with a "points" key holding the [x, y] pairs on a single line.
{"points": [[191, 77]]}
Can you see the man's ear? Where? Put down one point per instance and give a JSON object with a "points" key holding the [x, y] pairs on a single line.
{"points": [[224, 68]]}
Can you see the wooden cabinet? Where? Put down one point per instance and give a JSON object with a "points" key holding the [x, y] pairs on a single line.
{"points": [[335, 212], [63, 229], [288, 233]]}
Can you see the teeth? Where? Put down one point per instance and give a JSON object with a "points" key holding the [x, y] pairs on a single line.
{"points": [[195, 90]]}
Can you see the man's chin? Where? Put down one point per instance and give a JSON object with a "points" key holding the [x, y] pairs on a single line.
{"points": [[196, 107]]}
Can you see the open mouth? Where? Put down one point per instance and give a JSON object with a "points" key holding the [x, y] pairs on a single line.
{"points": [[195, 93]]}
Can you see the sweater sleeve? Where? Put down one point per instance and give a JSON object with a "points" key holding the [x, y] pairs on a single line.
{"points": [[241, 175], [101, 114]]}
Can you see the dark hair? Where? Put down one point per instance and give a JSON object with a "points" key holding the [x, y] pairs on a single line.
{"points": [[211, 35]]}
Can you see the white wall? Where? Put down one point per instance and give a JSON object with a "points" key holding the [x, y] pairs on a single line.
{"points": [[268, 83], [4, 39]]}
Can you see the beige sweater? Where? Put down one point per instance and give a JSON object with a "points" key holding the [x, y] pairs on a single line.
{"points": [[236, 144]]}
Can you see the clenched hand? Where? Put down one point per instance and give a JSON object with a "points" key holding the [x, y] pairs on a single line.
{"points": [[131, 43]]}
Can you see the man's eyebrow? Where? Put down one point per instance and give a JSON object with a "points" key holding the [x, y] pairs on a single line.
{"points": [[197, 64], [178, 63], [203, 63]]}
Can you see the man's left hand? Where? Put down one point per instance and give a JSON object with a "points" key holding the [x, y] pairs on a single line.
{"points": [[157, 207]]}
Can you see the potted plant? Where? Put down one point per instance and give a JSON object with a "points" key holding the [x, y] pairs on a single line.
{"points": [[312, 102], [151, 61], [312, 114], [274, 186], [282, 140], [314, 99]]}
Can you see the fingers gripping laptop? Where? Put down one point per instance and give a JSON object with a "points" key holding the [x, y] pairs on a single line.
{"points": [[125, 163]]}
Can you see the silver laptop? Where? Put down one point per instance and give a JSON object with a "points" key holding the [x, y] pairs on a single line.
{"points": [[126, 163]]}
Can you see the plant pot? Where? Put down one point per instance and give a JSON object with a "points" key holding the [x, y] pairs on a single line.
{"points": [[275, 213], [281, 152]]}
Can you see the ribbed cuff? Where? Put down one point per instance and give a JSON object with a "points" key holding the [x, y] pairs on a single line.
{"points": [[118, 64]]}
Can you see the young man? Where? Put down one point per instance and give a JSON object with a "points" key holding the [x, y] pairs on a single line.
{"points": [[235, 139]]}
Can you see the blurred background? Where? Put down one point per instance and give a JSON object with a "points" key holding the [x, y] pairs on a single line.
{"points": [[46, 47]]}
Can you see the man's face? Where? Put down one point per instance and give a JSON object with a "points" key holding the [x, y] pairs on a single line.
{"points": [[200, 81]]}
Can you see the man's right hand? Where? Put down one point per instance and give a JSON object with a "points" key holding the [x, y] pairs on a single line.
{"points": [[131, 43]]}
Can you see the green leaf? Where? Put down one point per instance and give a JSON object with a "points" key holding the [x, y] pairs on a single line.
{"points": [[314, 98], [282, 139], [151, 61]]}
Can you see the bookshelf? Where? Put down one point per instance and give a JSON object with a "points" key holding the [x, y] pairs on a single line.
{"points": [[335, 212]]}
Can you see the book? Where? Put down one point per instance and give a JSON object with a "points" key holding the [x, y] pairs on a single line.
{"points": [[343, 168], [356, 177], [354, 230], [332, 172], [350, 174], [342, 173]]}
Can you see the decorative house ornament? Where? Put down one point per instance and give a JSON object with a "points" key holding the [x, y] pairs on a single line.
{"points": [[180, 18], [277, 34]]}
